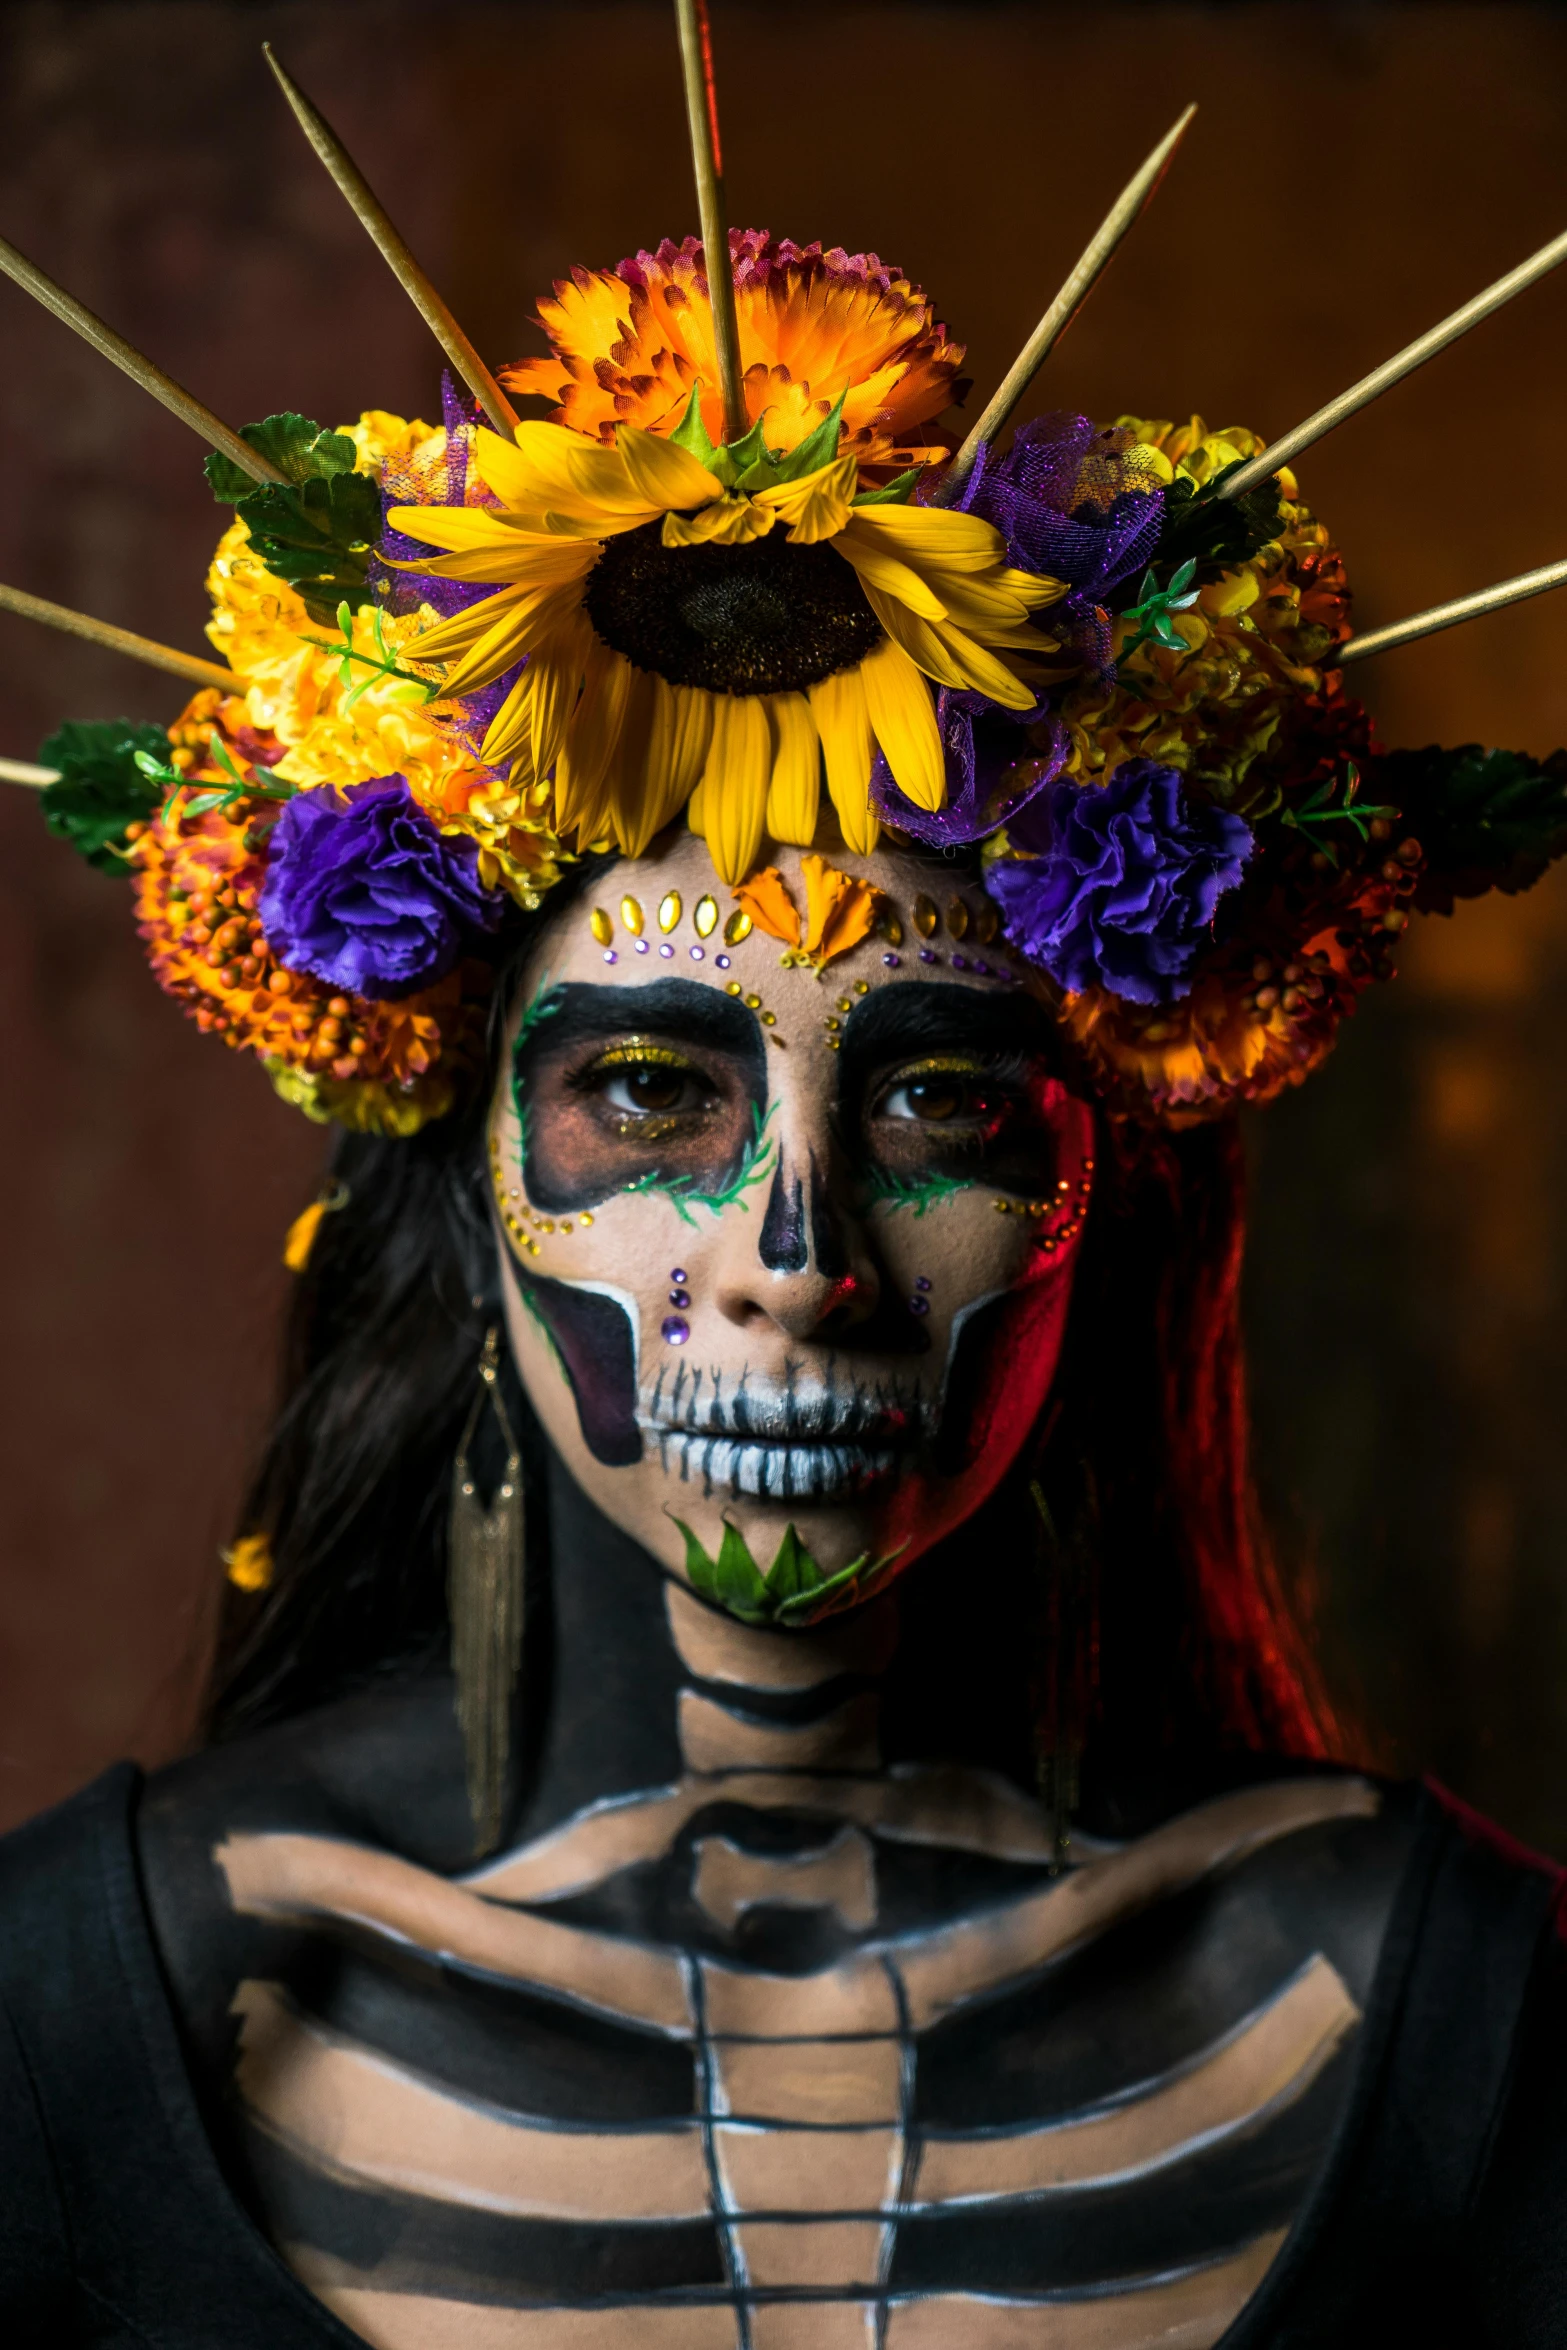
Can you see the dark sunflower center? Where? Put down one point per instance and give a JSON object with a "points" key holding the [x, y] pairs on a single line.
{"points": [[768, 618]]}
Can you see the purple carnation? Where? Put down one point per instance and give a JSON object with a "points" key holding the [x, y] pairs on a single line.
{"points": [[1122, 889], [363, 891]]}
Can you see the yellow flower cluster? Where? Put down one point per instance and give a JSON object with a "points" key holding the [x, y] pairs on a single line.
{"points": [[343, 720], [1252, 645]]}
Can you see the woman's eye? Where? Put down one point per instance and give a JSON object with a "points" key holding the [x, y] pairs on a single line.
{"points": [[653, 1088], [936, 1100]]}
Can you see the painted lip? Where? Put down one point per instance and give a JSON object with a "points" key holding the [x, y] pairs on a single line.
{"points": [[771, 1470]]}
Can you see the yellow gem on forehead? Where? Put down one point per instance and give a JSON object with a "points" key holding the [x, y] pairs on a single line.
{"points": [[957, 918], [731, 987], [845, 1003], [669, 910], [631, 915], [862, 987], [753, 1003], [706, 917], [737, 927], [601, 926], [925, 915], [769, 1019], [892, 929], [987, 922]]}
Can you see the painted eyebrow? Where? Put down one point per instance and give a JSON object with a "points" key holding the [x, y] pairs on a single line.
{"points": [[935, 1016], [588, 1013]]}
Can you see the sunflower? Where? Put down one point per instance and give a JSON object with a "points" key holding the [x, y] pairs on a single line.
{"points": [[714, 625], [631, 344]]}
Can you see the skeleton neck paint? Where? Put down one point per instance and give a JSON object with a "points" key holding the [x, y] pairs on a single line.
{"points": [[771, 2025]]}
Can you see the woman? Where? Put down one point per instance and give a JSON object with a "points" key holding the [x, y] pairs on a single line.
{"points": [[760, 1790]]}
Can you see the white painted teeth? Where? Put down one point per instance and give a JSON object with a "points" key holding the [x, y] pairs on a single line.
{"points": [[777, 1472]]}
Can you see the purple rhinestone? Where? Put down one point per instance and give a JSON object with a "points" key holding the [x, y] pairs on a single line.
{"points": [[927, 957], [922, 1283], [679, 1277], [919, 1305], [698, 954], [610, 955], [680, 1297], [891, 962], [722, 961], [641, 946], [960, 962], [666, 948], [674, 1331], [984, 970]]}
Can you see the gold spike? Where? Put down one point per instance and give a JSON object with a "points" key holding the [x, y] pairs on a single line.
{"points": [[23, 771], [1392, 371], [1096, 258], [1491, 599], [125, 355], [366, 205], [696, 59], [669, 911], [601, 926], [736, 928], [706, 916], [631, 915], [119, 640]]}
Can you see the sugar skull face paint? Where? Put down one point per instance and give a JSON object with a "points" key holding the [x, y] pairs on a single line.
{"points": [[874, 1228]]}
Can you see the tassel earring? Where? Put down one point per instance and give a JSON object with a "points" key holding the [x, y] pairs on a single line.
{"points": [[485, 1589]]}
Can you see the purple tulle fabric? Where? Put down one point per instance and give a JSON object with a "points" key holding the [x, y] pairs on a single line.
{"points": [[1079, 503], [1124, 882], [405, 591], [993, 770], [363, 892]]}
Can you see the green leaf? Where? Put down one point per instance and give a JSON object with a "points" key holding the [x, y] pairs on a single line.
{"points": [[1210, 533], [295, 444], [701, 1571], [852, 1585], [317, 529], [794, 1573], [817, 449], [1486, 819], [691, 434], [103, 785], [896, 492], [741, 1585]]}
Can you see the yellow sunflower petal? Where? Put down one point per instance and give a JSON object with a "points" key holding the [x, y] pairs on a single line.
{"points": [[550, 470], [580, 795], [626, 773], [878, 568], [728, 522], [948, 656], [536, 616], [526, 558], [461, 631], [819, 504], [795, 789], [843, 721], [903, 718], [677, 752], [665, 476], [734, 783], [530, 725]]}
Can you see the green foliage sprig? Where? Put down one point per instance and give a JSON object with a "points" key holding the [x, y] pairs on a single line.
{"points": [[795, 1590], [316, 530], [756, 1161], [921, 1192], [749, 464], [383, 662], [1213, 533], [1485, 819], [1156, 607], [1320, 808], [103, 786]]}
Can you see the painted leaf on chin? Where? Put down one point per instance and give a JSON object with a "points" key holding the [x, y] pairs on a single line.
{"points": [[795, 1592], [831, 1595]]}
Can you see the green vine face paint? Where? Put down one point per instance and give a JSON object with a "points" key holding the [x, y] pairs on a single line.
{"points": [[807, 1300]]}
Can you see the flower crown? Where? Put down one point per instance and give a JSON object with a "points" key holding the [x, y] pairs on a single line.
{"points": [[742, 575]]}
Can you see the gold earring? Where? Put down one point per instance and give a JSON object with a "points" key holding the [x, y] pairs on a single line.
{"points": [[485, 1561]]}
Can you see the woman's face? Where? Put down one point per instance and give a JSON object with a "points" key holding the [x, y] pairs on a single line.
{"points": [[783, 1249]]}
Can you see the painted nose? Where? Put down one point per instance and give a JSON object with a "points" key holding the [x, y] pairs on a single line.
{"points": [[811, 1274]]}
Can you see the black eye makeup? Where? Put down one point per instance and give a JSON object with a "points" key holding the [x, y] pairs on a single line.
{"points": [[938, 1083], [640, 1088]]}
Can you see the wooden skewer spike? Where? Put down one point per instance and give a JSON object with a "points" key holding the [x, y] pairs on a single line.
{"points": [[1096, 258], [367, 208], [1491, 599], [23, 771], [119, 640], [696, 59], [1392, 371], [125, 355]]}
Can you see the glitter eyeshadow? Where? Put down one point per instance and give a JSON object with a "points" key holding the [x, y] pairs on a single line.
{"points": [[674, 1331]]}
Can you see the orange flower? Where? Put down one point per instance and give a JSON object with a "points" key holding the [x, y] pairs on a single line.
{"points": [[840, 909], [630, 343]]}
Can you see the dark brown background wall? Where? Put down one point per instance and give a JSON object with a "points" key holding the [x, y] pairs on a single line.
{"points": [[1353, 175]]}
